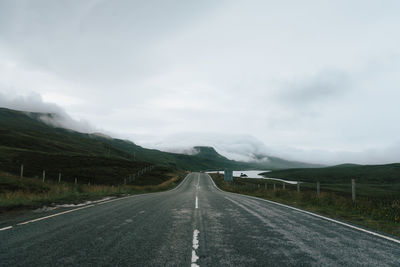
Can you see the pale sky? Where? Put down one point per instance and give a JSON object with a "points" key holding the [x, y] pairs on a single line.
{"points": [[316, 81]]}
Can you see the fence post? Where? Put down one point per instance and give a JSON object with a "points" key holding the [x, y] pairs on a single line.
{"points": [[318, 189], [76, 180], [22, 170], [258, 185], [283, 186], [125, 181], [44, 176], [274, 187], [265, 186], [298, 186], [353, 190], [59, 177]]}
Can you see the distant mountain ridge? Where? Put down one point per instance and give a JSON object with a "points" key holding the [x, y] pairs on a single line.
{"points": [[207, 151], [29, 135]]}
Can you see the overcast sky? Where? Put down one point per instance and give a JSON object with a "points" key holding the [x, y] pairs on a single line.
{"points": [[315, 81]]}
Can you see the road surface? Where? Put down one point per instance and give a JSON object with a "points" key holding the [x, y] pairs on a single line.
{"points": [[194, 225]]}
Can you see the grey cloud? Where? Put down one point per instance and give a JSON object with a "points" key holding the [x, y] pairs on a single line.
{"points": [[291, 77], [95, 42], [249, 148], [34, 103], [321, 87], [375, 155], [233, 146], [31, 103]]}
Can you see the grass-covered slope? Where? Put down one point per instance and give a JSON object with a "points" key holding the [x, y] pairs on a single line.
{"points": [[371, 180], [388, 173], [16, 192], [26, 139], [376, 210]]}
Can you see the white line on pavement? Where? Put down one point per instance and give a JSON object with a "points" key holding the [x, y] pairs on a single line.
{"points": [[5, 228], [53, 215], [195, 246]]}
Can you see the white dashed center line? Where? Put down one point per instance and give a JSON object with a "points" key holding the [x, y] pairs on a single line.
{"points": [[195, 246]]}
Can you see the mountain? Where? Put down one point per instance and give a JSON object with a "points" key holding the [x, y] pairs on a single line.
{"points": [[207, 152], [38, 142]]}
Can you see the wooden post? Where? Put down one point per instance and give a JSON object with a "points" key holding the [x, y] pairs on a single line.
{"points": [[298, 186], [274, 187], [283, 186], [353, 190], [318, 189], [258, 185], [76, 180], [265, 186], [22, 171], [59, 177], [44, 176]]}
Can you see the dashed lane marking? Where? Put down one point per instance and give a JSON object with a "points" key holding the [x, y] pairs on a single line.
{"points": [[195, 246]]}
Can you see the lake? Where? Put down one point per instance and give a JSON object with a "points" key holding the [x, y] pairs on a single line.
{"points": [[255, 174]]}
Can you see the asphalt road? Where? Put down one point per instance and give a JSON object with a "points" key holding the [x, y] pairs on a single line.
{"points": [[174, 229]]}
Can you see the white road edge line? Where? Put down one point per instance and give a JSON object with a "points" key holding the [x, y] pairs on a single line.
{"points": [[53, 215], [197, 203], [5, 228], [312, 214]]}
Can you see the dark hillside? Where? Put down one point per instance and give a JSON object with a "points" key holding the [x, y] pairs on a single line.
{"points": [[389, 173], [26, 138]]}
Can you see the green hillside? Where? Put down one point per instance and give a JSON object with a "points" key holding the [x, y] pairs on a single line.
{"points": [[389, 173], [26, 139]]}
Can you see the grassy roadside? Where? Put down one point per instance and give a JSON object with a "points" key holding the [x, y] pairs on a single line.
{"points": [[20, 193], [378, 213]]}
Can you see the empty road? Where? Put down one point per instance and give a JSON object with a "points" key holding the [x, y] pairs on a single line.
{"points": [[195, 224]]}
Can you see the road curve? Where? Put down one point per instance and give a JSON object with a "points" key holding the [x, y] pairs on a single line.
{"points": [[194, 225]]}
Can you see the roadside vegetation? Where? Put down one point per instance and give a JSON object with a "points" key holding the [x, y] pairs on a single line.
{"points": [[386, 174], [17, 193], [375, 209]]}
